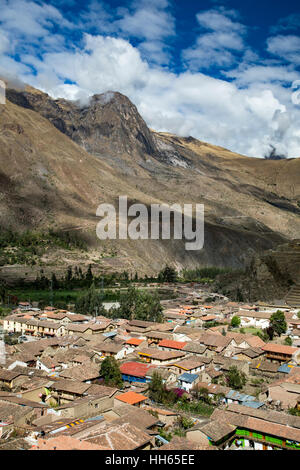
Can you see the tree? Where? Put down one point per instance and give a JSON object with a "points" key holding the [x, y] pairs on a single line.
{"points": [[235, 321], [156, 388], [69, 275], [110, 372], [203, 395], [138, 305], [236, 379], [278, 323], [270, 333], [89, 274], [168, 274], [158, 392], [288, 341], [54, 282], [2, 293], [263, 335], [298, 314], [90, 303]]}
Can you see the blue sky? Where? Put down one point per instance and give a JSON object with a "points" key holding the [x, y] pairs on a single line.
{"points": [[226, 72]]}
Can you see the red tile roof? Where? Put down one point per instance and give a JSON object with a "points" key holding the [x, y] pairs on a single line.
{"points": [[136, 369], [134, 341], [168, 343], [208, 318], [279, 348], [131, 398]]}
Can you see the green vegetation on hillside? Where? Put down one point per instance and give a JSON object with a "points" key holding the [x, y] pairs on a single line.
{"points": [[204, 274], [28, 246]]}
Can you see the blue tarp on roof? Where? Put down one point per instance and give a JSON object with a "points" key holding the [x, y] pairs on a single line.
{"points": [[110, 333], [234, 395], [285, 368], [190, 378], [253, 404]]}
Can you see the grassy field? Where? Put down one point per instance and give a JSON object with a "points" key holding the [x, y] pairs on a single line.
{"points": [[251, 329], [59, 296]]}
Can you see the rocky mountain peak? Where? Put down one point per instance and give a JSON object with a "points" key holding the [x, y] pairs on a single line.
{"points": [[109, 123]]}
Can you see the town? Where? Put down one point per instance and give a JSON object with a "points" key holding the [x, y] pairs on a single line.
{"points": [[211, 374]]}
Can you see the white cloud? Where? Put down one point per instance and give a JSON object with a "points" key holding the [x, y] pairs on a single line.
{"points": [[246, 74], [4, 43], [218, 44], [220, 20], [286, 47], [212, 110], [29, 18], [150, 23], [248, 114]]}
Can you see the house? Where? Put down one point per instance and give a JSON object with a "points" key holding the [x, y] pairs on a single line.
{"points": [[280, 353], [20, 360], [48, 364], [65, 443], [225, 363], [194, 348], [124, 436], [245, 341], [184, 444], [34, 388], [157, 357], [12, 415], [233, 396], [91, 328], [118, 350], [171, 345], [215, 341], [192, 365], [214, 433], [11, 378], [249, 354], [207, 319], [210, 375], [135, 372], [264, 368], [65, 390], [96, 400], [253, 318], [214, 390], [167, 417], [282, 394], [187, 381], [87, 372], [139, 417], [168, 376], [130, 398], [154, 337], [295, 334], [260, 429], [135, 342], [24, 305]]}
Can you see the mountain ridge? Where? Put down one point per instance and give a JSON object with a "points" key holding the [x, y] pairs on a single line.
{"points": [[59, 161]]}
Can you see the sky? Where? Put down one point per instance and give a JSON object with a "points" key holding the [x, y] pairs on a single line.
{"points": [[225, 72]]}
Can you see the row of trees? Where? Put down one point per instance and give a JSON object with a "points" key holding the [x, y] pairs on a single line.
{"points": [[134, 304]]}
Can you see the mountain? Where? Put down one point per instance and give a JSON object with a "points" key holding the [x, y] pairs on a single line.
{"points": [[61, 159], [272, 276]]}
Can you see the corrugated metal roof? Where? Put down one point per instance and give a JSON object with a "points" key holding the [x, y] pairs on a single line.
{"points": [[185, 377]]}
